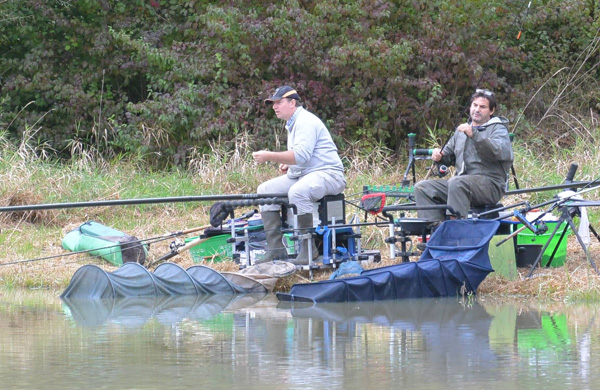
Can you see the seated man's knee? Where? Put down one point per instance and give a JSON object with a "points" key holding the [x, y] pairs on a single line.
{"points": [[262, 188], [458, 183], [302, 198], [296, 193], [419, 187]]}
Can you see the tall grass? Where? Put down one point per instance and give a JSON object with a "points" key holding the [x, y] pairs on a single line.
{"points": [[29, 176]]}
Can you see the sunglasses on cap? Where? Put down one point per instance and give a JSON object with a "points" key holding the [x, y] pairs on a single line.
{"points": [[485, 92]]}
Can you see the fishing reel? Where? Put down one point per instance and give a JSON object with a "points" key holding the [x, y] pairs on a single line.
{"points": [[440, 170], [537, 226], [176, 244]]}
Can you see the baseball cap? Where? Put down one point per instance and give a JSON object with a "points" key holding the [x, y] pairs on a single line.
{"points": [[283, 92]]}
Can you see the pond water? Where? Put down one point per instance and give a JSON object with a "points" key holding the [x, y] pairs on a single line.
{"points": [[252, 342]]}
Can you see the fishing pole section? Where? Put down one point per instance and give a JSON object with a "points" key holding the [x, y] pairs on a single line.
{"points": [[569, 204], [402, 228], [112, 245], [340, 241]]}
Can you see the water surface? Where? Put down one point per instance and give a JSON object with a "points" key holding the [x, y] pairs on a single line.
{"points": [[252, 342]]}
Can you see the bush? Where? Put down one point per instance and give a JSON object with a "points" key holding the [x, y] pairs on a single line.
{"points": [[160, 77]]}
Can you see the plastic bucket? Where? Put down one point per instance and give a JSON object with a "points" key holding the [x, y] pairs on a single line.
{"points": [[526, 254], [526, 237], [215, 249]]}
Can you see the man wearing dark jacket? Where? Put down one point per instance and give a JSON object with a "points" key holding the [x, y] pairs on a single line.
{"points": [[482, 153]]}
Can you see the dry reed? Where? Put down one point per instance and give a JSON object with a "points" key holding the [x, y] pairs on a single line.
{"points": [[28, 178]]}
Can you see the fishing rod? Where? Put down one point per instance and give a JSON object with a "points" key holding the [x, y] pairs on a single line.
{"points": [[142, 242], [119, 246], [67, 255], [124, 202], [215, 221], [175, 250], [555, 204], [568, 183], [440, 169], [575, 184], [578, 184]]}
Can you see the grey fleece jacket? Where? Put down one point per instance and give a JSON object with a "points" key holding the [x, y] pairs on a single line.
{"points": [[313, 146], [488, 152]]}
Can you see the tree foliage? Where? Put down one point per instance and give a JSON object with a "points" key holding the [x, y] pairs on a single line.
{"points": [[161, 76]]}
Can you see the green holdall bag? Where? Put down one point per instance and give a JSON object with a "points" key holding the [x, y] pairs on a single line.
{"points": [[112, 245]]}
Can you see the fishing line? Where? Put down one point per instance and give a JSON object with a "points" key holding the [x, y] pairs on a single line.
{"points": [[483, 73], [147, 241], [142, 242], [354, 197]]}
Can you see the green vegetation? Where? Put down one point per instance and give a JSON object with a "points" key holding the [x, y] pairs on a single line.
{"points": [[28, 179], [119, 100], [165, 79]]}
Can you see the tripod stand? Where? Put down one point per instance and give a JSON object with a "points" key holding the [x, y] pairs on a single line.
{"points": [[567, 211]]}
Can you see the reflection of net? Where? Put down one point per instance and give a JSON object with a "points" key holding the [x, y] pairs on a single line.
{"points": [[373, 203]]}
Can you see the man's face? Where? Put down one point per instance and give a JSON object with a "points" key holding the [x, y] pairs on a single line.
{"points": [[284, 108], [480, 111]]}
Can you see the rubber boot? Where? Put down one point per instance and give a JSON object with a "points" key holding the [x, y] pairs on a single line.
{"points": [[305, 223], [272, 225]]}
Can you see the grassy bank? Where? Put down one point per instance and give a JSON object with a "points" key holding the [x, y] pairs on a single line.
{"points": [[29, 178]]}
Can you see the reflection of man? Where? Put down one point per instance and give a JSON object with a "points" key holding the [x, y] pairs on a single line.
{"points": [[311, 169], [482, 154]]}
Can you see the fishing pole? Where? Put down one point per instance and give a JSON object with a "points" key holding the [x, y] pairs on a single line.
{"points": [[555, 204], [575, 184], [124, 202], [155, 239], [180, 248], [175, 250], [66, 255], [568, 183], [442, 172], [231, 201], [578, 184], [142, 242]]}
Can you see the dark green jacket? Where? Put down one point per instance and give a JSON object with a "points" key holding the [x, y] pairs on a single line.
{"points": [[488, 152]]}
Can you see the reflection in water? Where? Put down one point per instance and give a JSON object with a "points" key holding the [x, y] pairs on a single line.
{"points": [[413, 336], [136, 311], [252, 342]]}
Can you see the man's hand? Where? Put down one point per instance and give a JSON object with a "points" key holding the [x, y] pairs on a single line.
{"points": [[466, 128], [436, 154], [262, 156], [283, 168], [285, 158]]}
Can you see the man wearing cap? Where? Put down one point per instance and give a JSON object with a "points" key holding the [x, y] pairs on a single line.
{"points": [[482, 153], [311, 169]]}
